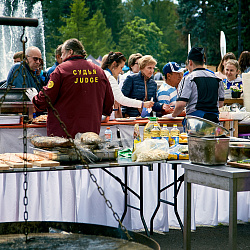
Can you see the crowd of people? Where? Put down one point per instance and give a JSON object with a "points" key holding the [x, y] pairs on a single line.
{"points": [[82, 92]]}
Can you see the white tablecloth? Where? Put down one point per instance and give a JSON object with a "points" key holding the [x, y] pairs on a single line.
{"points": [[72, 196]]}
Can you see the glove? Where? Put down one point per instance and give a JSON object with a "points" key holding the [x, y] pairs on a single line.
{"points": [[31, 92], [169, 116]]}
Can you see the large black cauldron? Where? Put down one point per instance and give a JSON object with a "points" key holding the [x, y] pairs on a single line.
{"points": [[36, 229]]}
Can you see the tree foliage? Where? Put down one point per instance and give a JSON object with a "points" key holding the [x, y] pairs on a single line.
{"points": [[205, 19], [202, 19], [164, 14], [139, 37], [99, 40], [76, 22], [113, 13], [93, 33], [52, 11]]}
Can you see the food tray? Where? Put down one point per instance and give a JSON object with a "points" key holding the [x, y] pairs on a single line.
{"points": [[239, 165], [10, 119], [125, 119]]}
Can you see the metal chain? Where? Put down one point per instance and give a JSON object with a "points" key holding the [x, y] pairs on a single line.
{"points": [[9, 86], [80, 156], [86, 166], [25, 122]]}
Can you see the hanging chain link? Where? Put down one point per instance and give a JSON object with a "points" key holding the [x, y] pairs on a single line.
{"points": [[25, 122], [63, 126], [86, 166]]}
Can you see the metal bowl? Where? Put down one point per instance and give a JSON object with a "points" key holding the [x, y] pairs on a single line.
{"points": [[200, 127]]}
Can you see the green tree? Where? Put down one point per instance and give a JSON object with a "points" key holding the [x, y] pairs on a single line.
{"points": [[52, 10], [93, 6], [139, 37], [99, 40], [164, 14], [205, 19], [77, 21], [231, 26], [95, 36], [113, 12]]}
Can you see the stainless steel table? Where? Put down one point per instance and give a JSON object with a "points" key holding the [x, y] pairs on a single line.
{"points": [[222, 177]]}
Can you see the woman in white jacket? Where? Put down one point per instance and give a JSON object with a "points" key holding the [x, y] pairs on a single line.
{"points": [[112, 66]]}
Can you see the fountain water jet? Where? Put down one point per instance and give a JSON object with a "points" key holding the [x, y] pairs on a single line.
{"points": [[11, 34]]}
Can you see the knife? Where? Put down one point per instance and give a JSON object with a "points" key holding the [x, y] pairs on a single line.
{"points": [[118, 134]]}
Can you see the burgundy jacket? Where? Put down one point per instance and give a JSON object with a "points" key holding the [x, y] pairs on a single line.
{"points": [[80, 92]]}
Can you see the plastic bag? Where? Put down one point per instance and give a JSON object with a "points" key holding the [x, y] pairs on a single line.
{"points": [[151, 150], [178, 152]]}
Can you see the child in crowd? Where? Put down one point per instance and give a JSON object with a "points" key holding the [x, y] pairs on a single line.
{"points": [[232, 69]]}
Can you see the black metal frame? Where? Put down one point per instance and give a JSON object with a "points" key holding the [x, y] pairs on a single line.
{"points": [[127, 189], [124, 184], [176, 191]]}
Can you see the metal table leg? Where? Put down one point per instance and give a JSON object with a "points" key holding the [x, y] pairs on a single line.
{"points": [[233, 214], [176, 191], [141, 201], [125, 190], [158, 199], [187, 215]]}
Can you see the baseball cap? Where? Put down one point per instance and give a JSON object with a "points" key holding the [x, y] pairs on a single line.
{"points": [[172, 67], [196, 54]]}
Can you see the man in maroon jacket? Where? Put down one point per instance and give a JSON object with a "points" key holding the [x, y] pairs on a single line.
{"points": [[79, 91]]}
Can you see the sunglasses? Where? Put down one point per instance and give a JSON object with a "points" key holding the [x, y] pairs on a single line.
{"points": [[36, 58]]}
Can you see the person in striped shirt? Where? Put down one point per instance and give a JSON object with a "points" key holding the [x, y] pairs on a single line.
{"points": [[167, 93]]}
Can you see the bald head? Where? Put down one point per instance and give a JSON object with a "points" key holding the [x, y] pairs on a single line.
{"points": [[33, 57]]}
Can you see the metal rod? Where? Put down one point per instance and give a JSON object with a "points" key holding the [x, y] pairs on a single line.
{"points": [[18, 21], [239, 28]]}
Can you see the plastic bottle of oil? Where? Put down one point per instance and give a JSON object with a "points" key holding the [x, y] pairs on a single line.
{"points": [[149, 126], [156, 132], [174, 135], [137, 137], [165, 132]]}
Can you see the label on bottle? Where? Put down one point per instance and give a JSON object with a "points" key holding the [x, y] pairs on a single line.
{"points": [[155, 137], [136, 141], [108, 136], [174, 140]]}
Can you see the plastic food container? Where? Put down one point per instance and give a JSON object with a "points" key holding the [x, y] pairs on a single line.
{"points": [[208, 151]]}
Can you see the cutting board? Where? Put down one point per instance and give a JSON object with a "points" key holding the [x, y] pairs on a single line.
{"points": [[4, 166], [239, 165], [18, 164], [47, 163]]}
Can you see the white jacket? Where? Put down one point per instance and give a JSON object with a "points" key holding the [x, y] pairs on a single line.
{"points": [[118, 95]]}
